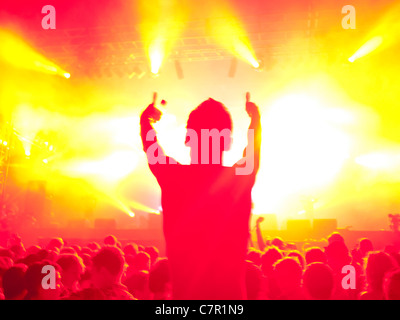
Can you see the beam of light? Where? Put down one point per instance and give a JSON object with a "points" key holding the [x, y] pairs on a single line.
{"points": [[230, 33], [19, 54], [111, 168], [367, 48], [161, 23], [385, 33], [379, 161], [141, 207]]}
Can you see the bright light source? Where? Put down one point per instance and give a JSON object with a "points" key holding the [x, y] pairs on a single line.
{"points": [[45, 161], [67, 75], [51, 148], [5, 143], [27, 153], [366, 48], [156, 56], [378, 160]]}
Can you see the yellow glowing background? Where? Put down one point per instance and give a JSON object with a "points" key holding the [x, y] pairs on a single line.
{"points": [[330, 129]]}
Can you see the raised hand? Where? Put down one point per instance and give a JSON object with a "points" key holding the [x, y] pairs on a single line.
{"points": [[251, 108], [151, 112]]}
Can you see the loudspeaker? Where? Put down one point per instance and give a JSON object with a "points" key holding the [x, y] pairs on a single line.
{"points": [[324, 227], [106, 224]]}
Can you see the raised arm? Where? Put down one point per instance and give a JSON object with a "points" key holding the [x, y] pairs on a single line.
{"points": [[253, 150], [154, 152]]}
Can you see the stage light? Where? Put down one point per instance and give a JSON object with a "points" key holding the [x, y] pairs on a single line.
{"points": [[156, 56], [367, 48], [27, 153], [51, 148], [19, 54], [67, 75], [45, 161], [5, 143]]}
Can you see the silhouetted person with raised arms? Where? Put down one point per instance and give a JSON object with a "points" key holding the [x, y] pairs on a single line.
{"points": [[206, 206]]}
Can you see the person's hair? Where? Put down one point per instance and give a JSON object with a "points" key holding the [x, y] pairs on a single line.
{"points": [[111, 258], [110, 240], [131, 249], [254, 256], [14, 281], [378, 264], [152, 252], [315, 254], [297, 255], [319, 281], [33, 277], [67, 260], [288, 272], [269, 258], [335, 237], [392, 285], [159, 276], [142, 261], [55, 243], [210, 114], [365, 245]]}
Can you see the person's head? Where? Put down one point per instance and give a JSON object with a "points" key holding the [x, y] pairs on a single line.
{"points": [[288, 274], [72, 268], [131, 249], [335, 237], [110, 240], [14, 282], [337, 255], [315, 254], [318, 281], [153, 253], [209, 122], [378, 265], [297, 255], [254, 256], [55, 243], [269, 258], [365, 246], [138, 285], [160, 279], [392, 285], [142, 261], [278, 242], [35, 278], [108, 266]]}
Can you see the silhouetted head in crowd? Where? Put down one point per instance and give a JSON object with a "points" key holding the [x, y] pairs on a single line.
{"points": [[142, 261], [18, 251], [318, 280], [365, 246], [278, 242], [315, 254], [288, 275], [55, 243], [107, 268], [34, 278], [110, 240], [131, 249], [153, 253], [337, 255], [335, 237], [160, 280], [392, 285], [378, 265], [297, 255], [14, 282], [254, 256], [269, 258], [94, 246], [210, 115], [72, 268]]}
